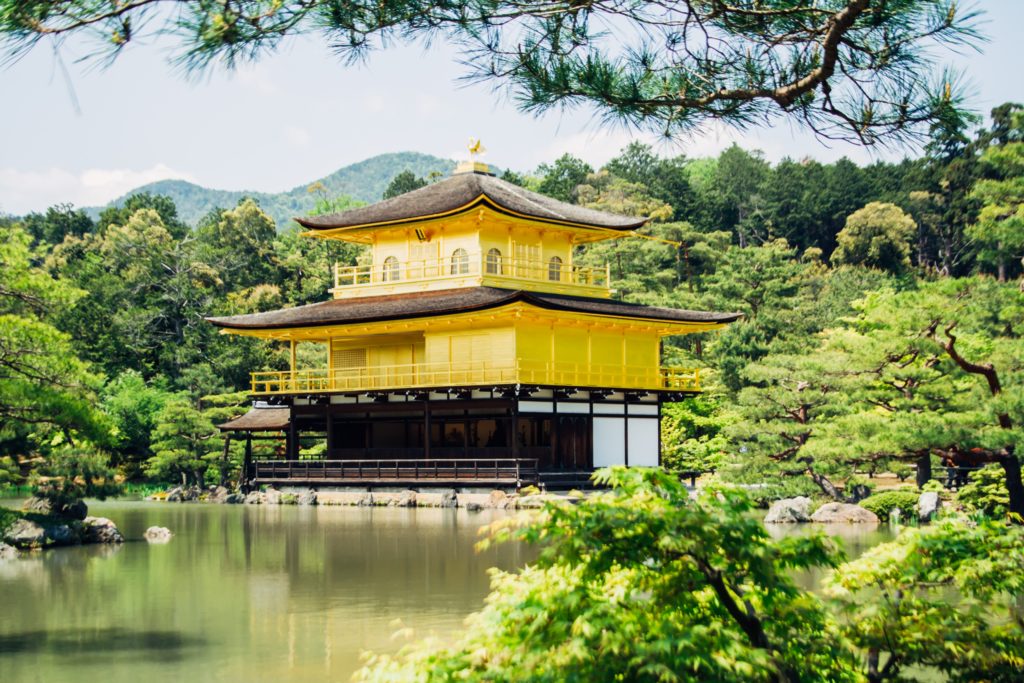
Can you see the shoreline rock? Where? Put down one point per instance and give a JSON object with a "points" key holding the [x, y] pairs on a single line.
{"points": [[473, 501], [158, 534], [100, 530], [8, 552], [789, 511], [843, 513]]}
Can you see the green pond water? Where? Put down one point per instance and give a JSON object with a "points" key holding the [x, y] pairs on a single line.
{"points": [[250, 593]]}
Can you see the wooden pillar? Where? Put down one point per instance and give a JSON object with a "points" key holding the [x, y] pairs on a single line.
{"points": [[293, 440], [426, 428], [246, 463], [292, 362], [224, 459], [924, 469], [329, 428]]}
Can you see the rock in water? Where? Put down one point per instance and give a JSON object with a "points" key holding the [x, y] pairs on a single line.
{"points": [[498, 500], [25, 533], [218, 494], [407, 499], [100, 530], [158, 534], [789, 511], [76, 510], [254, 498], [306, 498], [272, 497], [174, 495], [847, 513], [927, 505], [449, 499], [474, 507], [8, 552], [234, 499]]}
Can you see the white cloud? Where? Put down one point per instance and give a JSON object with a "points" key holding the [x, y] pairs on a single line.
{"points": [[24, 191], [297, 136], [256, 77]]}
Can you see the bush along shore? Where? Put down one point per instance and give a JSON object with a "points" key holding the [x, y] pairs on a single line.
{"points": [[894, 506], [526, 498], [37, 527]]}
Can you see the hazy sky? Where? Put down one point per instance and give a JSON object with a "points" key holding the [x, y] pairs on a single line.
{"points": [[94, 134]]}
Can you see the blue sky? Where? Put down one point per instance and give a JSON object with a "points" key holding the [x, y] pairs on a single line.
{"points": [[300, 114]]}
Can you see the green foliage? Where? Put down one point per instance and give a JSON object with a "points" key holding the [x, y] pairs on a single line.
{"points": [[562, 178], [72, 473], [882, 504], [986, 492], [1000, 224], [692, 436], [641, 584], [43, 384], [895, 603], [877, 236], [10, 472], [132, 405], [406, 181], [644, 584], [183, 443], [7, 518]]}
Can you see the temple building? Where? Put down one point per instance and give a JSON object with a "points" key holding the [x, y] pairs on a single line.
{"points": [[470, 349]]}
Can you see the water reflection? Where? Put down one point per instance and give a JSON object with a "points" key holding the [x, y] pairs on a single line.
{"points": [[241, 593], [256, 593]]}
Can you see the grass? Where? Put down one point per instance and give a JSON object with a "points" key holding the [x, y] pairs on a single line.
{"points": [[7, 518]]}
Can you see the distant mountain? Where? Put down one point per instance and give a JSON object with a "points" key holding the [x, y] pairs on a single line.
{"points": [[365, 181]]}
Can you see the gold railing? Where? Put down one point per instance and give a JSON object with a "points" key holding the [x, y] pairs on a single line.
{"points": [[460, 374], [453, 267]]}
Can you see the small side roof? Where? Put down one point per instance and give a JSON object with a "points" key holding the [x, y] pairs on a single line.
{"points": [[463, 192], [258, 420], [450, 301]]}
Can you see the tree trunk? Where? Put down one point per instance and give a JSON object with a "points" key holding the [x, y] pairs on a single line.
{"points": [[924, 469], [1011, 467], [826, 486]]}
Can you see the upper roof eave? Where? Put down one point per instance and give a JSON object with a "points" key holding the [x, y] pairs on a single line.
{"points": [[454, 301], [464, 192]]}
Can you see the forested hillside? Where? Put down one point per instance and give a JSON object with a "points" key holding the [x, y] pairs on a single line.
{"points": [[364, 182], [881, 331]]}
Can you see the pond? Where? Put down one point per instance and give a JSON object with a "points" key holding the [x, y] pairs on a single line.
{"points": [[249, 593]]}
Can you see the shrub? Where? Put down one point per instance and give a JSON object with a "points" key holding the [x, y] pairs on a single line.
{"points": [[71, 474], [933, 485], [882, 504], [986, 493]]}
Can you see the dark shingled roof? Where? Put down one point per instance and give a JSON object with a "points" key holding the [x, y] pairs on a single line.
{"points": [[258, 420], [448, 301], [453, 194]]}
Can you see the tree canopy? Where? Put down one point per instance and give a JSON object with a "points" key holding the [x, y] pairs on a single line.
{"points": [[845, 69]]}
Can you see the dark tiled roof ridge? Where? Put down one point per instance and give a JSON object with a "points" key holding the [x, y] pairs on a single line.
{"points": [[464, 191], [451, 301]]}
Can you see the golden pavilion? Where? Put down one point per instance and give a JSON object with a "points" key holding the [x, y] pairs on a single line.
{"points": [[470, 350]]}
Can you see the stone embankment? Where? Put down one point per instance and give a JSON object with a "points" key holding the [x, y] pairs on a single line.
{"points": [[798, 510], [35, 528], [529, 498]]}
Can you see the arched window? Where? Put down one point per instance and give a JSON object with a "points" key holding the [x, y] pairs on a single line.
{"points": [[494, 262], [555, 269], [460, 262], [390, 269]]}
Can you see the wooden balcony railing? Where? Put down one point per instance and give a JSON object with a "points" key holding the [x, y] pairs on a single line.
{"points": [[518, 471], [395, 272], [460, 374]]}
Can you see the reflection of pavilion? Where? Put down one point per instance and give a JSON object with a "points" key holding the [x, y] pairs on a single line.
{"points": [[471, 350]]}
